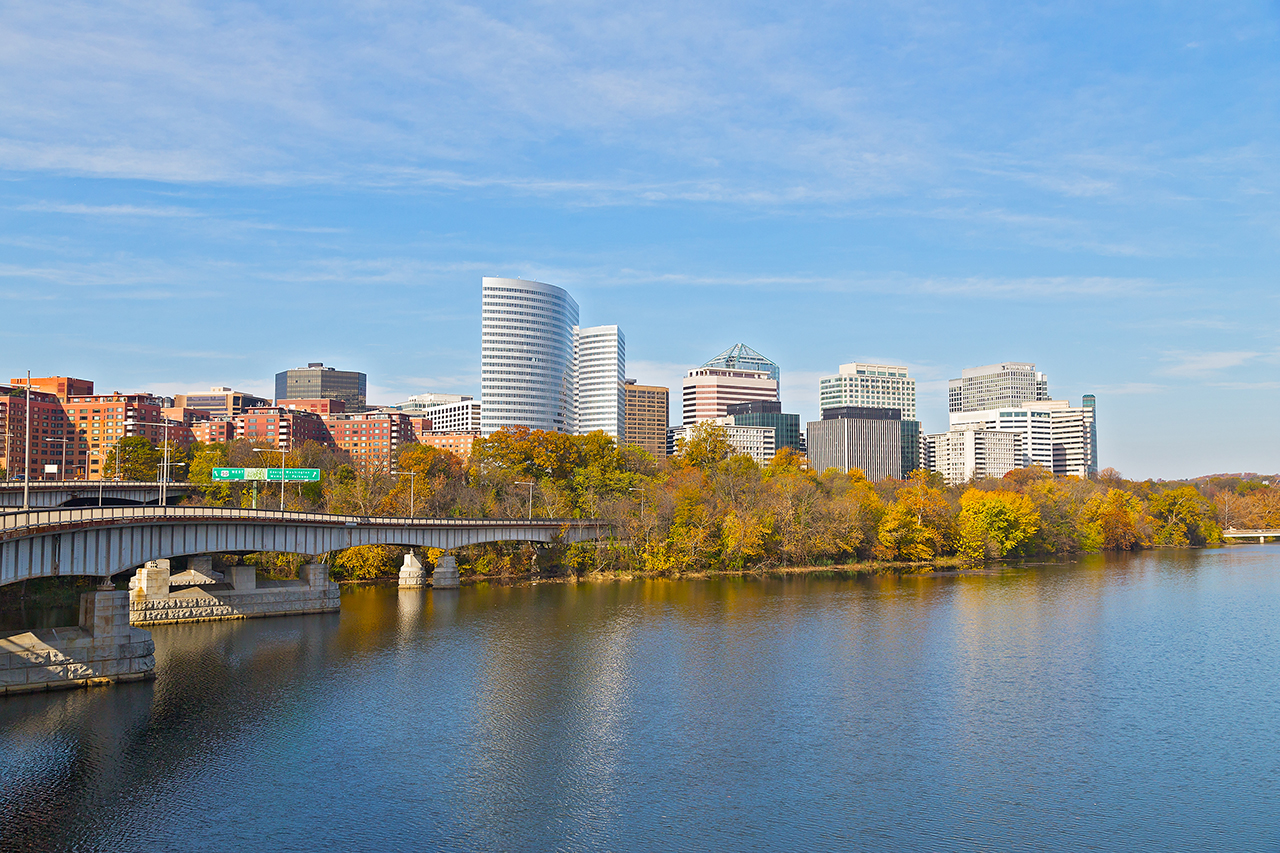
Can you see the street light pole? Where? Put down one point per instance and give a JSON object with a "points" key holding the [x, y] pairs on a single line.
{"points": [[281, 452], [411, 501], [530, 485], [26, 465]]}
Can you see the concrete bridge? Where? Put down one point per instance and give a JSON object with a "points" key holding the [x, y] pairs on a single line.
{"points": [[51, 493], [1260, 535], [104, 541]]}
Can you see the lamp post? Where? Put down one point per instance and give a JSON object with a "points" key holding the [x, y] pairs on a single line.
{"points": [[26, 464], [530, 485], [411, 474], [62, 472], [281, 452], [164, 480]]}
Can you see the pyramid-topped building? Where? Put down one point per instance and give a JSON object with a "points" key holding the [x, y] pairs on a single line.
{"points": [[743, 357]]}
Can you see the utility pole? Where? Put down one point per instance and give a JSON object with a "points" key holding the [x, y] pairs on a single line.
{"points": [[26, 468]]}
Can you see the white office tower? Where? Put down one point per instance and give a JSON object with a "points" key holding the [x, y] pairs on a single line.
{"points": [[874, 386], [1052, 434], [968, 452], [527, 356], [996, 385], [419, 403], [453, 418], [602, 372]]}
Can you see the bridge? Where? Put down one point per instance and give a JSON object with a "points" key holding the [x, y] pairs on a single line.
{"points": [[104, 541], [1260, 535], [51, 493]]}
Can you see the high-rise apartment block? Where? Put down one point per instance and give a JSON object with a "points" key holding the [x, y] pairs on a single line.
{"points": [[996, 386], [220, 400], [869, 386], [528, 357], [284, 429], [866, 438], [316, 381], [602, 367], [647, 416]]}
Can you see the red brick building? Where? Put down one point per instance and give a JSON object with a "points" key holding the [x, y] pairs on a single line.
{"points": [[371, 438], [48, 425], [281, 427], [458, 443], [101, 420], [322, 406], [214, 432], [61, 387]]}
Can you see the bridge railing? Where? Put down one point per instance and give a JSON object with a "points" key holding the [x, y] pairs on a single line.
{"points": [[12, 522]]}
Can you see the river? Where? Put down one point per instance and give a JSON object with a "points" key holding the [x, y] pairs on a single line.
{"points": [[1118, 702]]}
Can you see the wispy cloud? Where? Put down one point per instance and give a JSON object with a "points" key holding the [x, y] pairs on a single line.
{"points": [[1197, 364], [109, 210]]}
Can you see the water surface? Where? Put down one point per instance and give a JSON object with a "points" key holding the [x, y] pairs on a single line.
{"points": [[1117, 703]]}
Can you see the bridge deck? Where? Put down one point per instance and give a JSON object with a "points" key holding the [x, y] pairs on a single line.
{"points": [[107, 540]]}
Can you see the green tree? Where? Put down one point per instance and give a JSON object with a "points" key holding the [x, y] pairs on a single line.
{"points": [[134, 458], [204, 458]]}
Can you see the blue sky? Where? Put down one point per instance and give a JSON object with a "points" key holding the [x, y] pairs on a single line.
{"points": [[197, 194]]}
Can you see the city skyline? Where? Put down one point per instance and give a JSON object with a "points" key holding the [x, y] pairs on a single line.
{"points": [[1057, 184]]}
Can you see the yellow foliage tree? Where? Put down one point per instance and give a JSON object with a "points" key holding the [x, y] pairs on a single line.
{"points": [[996, 524]]}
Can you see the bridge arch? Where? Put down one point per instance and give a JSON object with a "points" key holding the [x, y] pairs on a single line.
{"points": [[103, 541]]}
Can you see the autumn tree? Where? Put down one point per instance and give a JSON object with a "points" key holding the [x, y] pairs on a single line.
{"points": [[133, 458], [995, 524], [1183, 517]]}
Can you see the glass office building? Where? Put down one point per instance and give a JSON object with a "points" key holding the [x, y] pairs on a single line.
{"points": [[317, 382], [768, 413], [528, 356]]}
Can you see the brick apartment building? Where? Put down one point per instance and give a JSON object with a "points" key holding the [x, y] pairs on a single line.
{"points": [[458, 443], [372, 439], [284, 428], [61, 387]]}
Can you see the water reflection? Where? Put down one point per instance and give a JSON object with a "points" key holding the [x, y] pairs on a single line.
{"points": [[1114, 702]]}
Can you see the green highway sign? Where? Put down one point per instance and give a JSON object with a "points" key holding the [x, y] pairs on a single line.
{"points": [[290, 475]]}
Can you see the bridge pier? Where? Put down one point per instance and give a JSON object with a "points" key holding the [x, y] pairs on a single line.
{"points": [[446, 574], [103, 649], [412, 575]]}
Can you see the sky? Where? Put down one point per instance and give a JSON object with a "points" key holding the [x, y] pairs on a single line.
{"points": [[206, 193]]}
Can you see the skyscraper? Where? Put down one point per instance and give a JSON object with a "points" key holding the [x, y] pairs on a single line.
{"points": [[602, 371], [528, 358], [1010, 383], [869, 385], [743, 357], [737, 375], [648, 412], [317, 382]]}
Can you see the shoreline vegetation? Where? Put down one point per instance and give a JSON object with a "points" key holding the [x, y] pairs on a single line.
{"points": [[709, 510]]}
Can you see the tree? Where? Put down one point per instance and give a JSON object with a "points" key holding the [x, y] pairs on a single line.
{"points": [[1183, 517], [705, 444], [918, 524], [204, 458], [996, 524], [1117, 520], [134, 458]]}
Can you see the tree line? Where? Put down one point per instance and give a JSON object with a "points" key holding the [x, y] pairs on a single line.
{"points": [[710, 508]]}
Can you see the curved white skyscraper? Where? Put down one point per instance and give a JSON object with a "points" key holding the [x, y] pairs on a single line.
{"points": [[528, 359]]}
